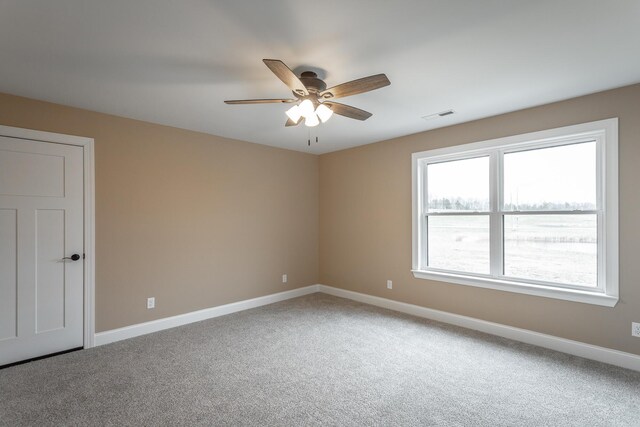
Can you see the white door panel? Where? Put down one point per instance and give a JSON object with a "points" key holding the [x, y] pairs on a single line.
{"points": [[8, 273], [49, 270], [13, 180], [41, 222]]}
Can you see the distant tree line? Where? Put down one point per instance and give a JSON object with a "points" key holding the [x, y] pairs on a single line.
{"points": [[549, 206], [465, 204], [458, 204]]}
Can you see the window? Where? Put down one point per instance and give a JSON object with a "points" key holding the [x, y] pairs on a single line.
{"points": [[534, 213]]}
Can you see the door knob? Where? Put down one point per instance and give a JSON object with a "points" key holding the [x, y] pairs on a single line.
{"points": [[73, 257]]}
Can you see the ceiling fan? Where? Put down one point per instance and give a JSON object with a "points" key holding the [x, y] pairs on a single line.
{"points": [[313, 101]]}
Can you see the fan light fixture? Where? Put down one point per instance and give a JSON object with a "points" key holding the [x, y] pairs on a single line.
{"points": [[306, 108], [324, 112], [312, 118], [294, 113]]}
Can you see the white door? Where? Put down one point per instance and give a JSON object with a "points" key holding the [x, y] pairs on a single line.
{"points": [[41, 228]]}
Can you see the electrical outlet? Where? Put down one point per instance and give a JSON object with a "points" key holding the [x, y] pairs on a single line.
{"points": [[389, 284], [284, 278], [635, 329], [151, 302]]}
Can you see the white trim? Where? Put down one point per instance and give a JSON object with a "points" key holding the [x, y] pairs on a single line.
{"points": [[605, 134], [38, 135], [567, 294], [89, 212], [576, 348], [610, 214], [114, 335], [89, 244]]}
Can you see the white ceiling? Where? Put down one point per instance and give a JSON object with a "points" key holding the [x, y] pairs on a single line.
{"points": [[174, 62]]}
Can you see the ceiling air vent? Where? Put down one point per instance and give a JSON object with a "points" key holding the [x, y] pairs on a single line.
{"points": [[436, 115]]}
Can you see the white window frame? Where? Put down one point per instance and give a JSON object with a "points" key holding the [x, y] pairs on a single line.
{"points": [[605, 134]]}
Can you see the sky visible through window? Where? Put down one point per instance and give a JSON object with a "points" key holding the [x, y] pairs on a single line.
{"points": [[553, 178], [460, 185]]}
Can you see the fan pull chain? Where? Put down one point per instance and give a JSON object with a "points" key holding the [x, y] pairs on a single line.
{"points": [[309, 138]]}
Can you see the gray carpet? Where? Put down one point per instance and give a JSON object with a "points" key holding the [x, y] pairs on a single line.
{"points": [[319, 360]]}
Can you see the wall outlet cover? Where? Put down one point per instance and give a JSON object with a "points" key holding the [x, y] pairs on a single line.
{"points": [[635, 329], [151, 302], [284, 278], [389, 284]]}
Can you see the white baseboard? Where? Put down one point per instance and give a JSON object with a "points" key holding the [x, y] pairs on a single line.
{"points": [[576, 348], [114, 335], [588, 351]]}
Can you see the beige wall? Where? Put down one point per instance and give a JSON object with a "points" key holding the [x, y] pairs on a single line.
{"points": [[192, 219], [365, 224]]}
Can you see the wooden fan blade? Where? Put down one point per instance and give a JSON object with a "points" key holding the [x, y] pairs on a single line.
{"points": [[285, 74], [292, 123], [348, 111], [355, 87], [260, 101]]}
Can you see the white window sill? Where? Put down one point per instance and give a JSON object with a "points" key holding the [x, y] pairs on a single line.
{"points": [[587, 297]]}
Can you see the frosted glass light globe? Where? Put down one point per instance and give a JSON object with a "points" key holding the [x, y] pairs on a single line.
{"points": [[324, 112], [294, 113], [306, 108], [311, 120]]}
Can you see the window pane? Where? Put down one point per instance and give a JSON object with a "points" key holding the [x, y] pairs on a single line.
{"points": [[551, 248], [459, 243], [556, 178], [458, 186]]}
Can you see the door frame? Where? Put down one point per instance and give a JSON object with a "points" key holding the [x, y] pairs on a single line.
{"points": [[87, 145]]}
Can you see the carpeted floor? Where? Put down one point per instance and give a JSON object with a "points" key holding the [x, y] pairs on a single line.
{"points": [[319, 360]]}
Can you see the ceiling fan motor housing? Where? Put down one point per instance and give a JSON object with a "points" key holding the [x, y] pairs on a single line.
{"points": [[311, 81]]}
